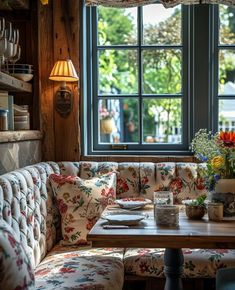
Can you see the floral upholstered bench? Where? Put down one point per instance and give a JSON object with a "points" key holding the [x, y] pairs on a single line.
{"points": [[31, 256], [186, 182], [47, 209]]}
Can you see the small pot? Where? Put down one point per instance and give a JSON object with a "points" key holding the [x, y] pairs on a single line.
{"points": [[195, 212]]}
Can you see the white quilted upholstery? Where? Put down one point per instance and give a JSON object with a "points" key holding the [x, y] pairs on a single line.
{"points": [[24, 208]]}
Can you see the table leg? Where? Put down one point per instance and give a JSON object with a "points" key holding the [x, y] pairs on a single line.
{"points": [[173, 269]]}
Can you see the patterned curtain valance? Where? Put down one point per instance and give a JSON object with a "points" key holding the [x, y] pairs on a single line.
{"points": [[166, 3]]}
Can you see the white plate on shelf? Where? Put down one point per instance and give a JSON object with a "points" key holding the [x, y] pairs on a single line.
{"points": [[123, 218], [132, 203]]}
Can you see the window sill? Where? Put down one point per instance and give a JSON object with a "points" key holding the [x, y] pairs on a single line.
{"points": [[138, 158]]}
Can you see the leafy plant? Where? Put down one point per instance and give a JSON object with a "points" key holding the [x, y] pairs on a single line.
{"points": [[199, 201]]}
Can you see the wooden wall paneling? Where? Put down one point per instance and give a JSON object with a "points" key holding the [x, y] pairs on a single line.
{"points": [[66, 45], [33, 49], [46, 62]]}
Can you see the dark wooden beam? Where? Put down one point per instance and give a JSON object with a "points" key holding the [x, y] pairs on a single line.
{"points": [[66, 45], [14, 4], [46, 91]]}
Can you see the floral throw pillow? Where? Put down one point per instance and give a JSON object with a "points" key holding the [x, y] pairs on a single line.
{"points": [[81, 203], [16, 270]]}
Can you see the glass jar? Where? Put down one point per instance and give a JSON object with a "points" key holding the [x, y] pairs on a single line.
{"points": [[167, 215], [3, 120]]}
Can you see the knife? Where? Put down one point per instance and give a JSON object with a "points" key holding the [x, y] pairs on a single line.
{"points": [[108, 227]]}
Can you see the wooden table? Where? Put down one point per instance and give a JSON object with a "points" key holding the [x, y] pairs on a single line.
{"points": [[202, 234]]}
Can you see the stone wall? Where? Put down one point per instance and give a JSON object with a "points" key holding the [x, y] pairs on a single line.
{"points": [[19, 154]]}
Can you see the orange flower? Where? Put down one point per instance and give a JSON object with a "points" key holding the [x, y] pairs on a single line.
{"points": [[228, 138]]}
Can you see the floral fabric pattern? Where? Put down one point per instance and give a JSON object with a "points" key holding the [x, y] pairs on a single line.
{"points": [[69, 168], [73, 268], [92, 169], [16, 271], [128, 180], [25, 200], [147, 179], [165, 173], [81, 203], [51, 213], [198, 263], [183, 179]]}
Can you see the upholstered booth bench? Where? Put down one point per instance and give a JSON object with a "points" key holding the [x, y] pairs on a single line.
{"points": [[37, 202]]}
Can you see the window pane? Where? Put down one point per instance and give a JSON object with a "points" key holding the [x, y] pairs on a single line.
{"points": [[118, 72], [117, 26], [162, 71], [162, 121], [118, 120], [227, 114], [227, 24], [161, 25], [227, 72]]}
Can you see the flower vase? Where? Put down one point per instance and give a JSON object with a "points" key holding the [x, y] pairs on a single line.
{"points": [[107, 126], [225, 193]]}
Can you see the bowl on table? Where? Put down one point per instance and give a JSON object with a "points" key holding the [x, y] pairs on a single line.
{"points": [[133, 203]]}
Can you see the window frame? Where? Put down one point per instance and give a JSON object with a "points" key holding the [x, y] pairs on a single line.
{"points": [[217, 47], [199, 88]]}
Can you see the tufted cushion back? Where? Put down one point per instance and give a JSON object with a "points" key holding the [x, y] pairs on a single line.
{"points": [[142, 179], [27, 206], [27, 202]]}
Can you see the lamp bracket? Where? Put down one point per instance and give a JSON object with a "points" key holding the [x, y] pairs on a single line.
{"points": [[64, 101]]}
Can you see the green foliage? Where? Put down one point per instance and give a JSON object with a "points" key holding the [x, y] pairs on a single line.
{"points": [[199, 201], [115, 26], [227, 36], [162, 68]]}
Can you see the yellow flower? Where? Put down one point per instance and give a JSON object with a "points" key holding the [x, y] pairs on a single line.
{"points": [[217, 162]]}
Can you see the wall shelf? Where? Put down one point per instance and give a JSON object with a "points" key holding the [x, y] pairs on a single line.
{"points": [[15, 136], [11, 84]]}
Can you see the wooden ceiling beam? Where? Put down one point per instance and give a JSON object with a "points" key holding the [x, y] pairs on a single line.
{"points": [[14, 4]]}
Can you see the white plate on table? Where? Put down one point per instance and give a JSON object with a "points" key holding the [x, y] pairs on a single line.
{"points": [[133, 203], [124, 218]]}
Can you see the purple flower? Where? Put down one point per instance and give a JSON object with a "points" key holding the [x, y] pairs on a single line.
{"points": [[216, 177], [202, 157]]}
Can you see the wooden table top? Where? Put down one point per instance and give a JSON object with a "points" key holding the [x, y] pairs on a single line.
{"points": [[190, 234]]}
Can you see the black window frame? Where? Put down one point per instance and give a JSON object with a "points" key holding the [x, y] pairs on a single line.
{"points": [[200, 85], [217, 47]]}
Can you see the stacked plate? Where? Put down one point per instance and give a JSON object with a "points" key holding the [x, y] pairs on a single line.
{"points": [[22, 72], [133, 203], [21, 118]]}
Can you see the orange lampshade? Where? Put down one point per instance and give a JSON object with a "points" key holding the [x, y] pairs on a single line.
{"points": [[64, 71], [44, 2]]}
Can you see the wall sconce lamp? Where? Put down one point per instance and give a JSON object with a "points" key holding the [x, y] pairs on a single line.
{"points": [[44, 2], [63, 71]]}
